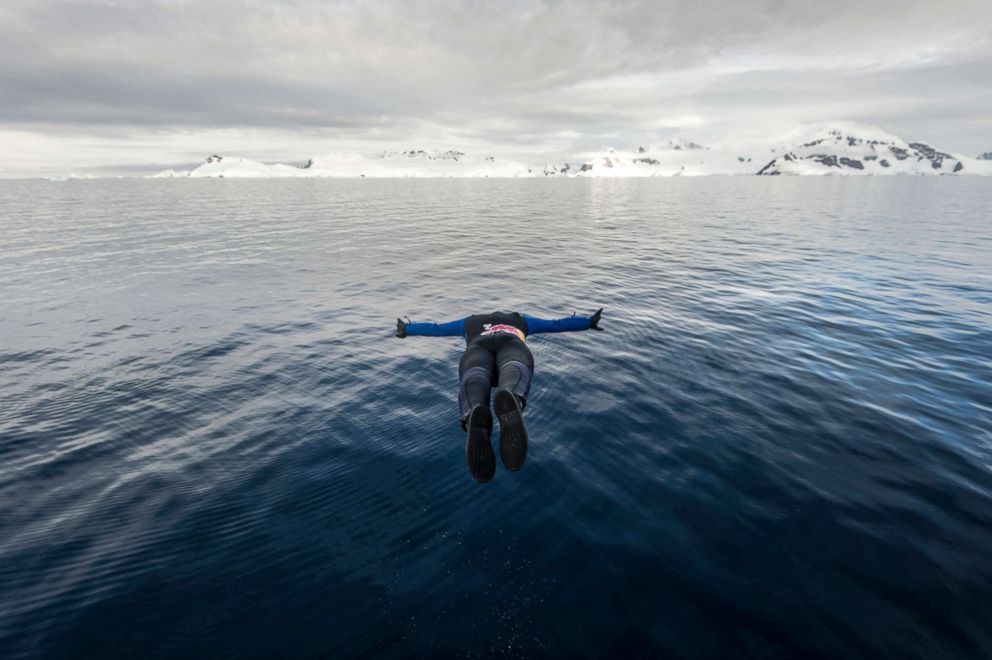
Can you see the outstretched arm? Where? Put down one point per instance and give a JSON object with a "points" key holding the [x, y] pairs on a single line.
{"points": [[450, 329], [567, 324]]}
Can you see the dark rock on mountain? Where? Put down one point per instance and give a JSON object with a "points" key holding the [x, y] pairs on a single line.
{"points": [[936, 157], [553, 170], [771, 168]]}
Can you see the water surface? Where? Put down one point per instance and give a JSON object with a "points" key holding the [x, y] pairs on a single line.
{"points": [[212, 446]]}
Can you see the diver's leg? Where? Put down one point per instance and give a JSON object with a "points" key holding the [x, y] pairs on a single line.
{"points": [[475, 372], [475, 375], [515, 366]]}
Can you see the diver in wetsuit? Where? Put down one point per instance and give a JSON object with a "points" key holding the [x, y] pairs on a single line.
{"points": [[495, 356]]}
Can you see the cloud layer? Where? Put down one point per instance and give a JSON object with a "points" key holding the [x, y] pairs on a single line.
{"points": [[114, 83]]}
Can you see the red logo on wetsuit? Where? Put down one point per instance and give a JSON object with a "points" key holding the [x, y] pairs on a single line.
{"points": [[490, 329]]}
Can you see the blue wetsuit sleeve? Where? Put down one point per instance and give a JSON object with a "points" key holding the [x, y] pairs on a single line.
{"points": [[567, 324], [450, 329]]}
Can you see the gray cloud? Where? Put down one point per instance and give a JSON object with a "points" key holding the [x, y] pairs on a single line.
{"points": [[559, 75]]}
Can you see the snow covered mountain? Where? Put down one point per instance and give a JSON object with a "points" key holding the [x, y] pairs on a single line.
{"points": [[854, 149], [838, 148], [241, 168]]}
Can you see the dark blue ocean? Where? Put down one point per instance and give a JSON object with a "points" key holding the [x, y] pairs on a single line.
{"points": [[211, 445]]}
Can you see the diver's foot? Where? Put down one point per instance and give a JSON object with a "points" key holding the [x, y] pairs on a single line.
{"points": [[512, 431], [478, 446]]}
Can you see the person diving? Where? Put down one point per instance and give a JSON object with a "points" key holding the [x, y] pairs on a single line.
{"points": [[495, 356]]}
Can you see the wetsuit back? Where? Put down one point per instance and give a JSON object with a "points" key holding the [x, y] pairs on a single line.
{"points": [[497, 323]]}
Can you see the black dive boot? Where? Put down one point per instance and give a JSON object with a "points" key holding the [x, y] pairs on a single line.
{"points": [[478, 446], [512, 432]]}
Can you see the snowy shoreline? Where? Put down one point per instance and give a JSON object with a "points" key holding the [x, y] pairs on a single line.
{"points": [[835, 148]]}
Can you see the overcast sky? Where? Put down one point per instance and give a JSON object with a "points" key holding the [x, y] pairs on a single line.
{"points": [[131, 85]]}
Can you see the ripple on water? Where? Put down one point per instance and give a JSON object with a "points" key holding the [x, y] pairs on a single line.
{"points": [[779, 446]]}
